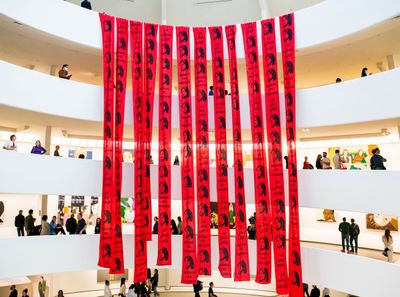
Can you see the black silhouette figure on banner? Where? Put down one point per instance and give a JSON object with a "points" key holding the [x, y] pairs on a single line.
{"points": [[242, 268], [289, 116], [189, 263], [235, 104], [287, 35], [271, 75], [163, 188], [187, 150], [150, 45], [203, 175], [218, 63], [185, 92], [290, 133], [295, 279], [165, 80], [200, 68], [184, 64], [188, 215], [163, 171], [276, 123], [186, 107], [108, 133], [287, 20], [107, 215], [223, 254], [240, 198], [220, 93], [258, 138], [120, 71], [280, 241], [260, 171], [189, 232], [164, 123], [164, 107], [251, 42], [166, 64], [108, 71], [164, 254], [257, 122], [107, 57], [202, 96], [137, 73], [106, 249], [140, 247], [280, 224], [263, 206], [137, 58], [183, 36], [241, 216], [219, 77], [271, 60], [261, 189], [240, 182], [164, 155], [289, 99], [223, 220], [120, 86], [293, 171], [252, 56], [204, 256], [204, 271], [117, 266], [239, 165], [149, 74], [275, 137], [289, 68], [166, 49], [203, 192], [118, 231], [187, 181], [187, 136], [269, 28], [139, 165], [237, 135], [151, 30], [221, 123], [279, 206], [107, 25], [235, 88], [202, 125], [164, 220], [203, 209], [107, 116], [255, 87], [264, 275], [223, 170], [200, 53], [296, 258]]}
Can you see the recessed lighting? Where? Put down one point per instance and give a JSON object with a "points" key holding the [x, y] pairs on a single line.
{"points": [[306, 130]]}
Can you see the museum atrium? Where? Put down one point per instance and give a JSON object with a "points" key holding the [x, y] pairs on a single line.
{"points": [[241, 203]]}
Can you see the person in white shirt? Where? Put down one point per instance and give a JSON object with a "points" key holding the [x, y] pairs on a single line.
{"points": [[11, 145], [107, 290], [326, 162], [325, 292], [337, 160], [122, 288]]}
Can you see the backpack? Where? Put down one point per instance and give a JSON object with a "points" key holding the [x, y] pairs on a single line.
{"points": [[356, 230]]}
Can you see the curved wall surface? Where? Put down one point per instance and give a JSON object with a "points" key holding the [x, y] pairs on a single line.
{"points": [[343, 272], [317, 188], [51, 95], [328, 21]]}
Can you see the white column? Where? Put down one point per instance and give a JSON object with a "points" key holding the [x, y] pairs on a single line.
{"points": [[163, 12], [265, 12]]}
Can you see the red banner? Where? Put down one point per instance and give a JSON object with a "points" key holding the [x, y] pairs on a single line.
{"points": [[224, 244], [242, 271], [275, 168], [150, 58], [189, 262], [141, 219], [164, 147], [263, 215], [117, 251], [107, 29], [289, 75], [202, 153]]}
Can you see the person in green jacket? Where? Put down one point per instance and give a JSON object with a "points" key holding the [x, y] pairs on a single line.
{"points": [[344, 228], [29, 222], [42, 287]]}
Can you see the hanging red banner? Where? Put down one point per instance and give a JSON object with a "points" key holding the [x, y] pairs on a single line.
{"points": [[117, 252], [164, 147], [263, 214], [107, 29], [202, 153], [242, 271], [141, 218], [275, 168], [189, 261], [289, 78], [224, 243], [150, 58]]}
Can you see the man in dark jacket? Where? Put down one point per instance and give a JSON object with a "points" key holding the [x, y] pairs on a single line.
{"points": [[86, 4], [315, 292], [29, 222], [20, 223], [14, 292], [154, 283], [377, 160], [71, 224], [197, 288]]}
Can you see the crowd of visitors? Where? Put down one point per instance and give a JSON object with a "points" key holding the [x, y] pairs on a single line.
{"points": [[176, 229], [349, 233]]}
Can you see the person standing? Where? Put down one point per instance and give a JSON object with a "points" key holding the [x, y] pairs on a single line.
{"points": [[305, 290], [98, 226], [315, 292], [211, 291], [154, 282], [20, 223], [14, 292], [11, 145], [326, 292], [155, 226], [387, 240], [81, 226], [197, 287], [60, 293], [306, 164], [251, 230], [377, 160], [176, 161], [57, 151], [326, 162], [29, 222], [25, 293], [38, 149], [318, 162], [122, 288], [337, 161], [354, 231], [179, 225], [63, 73], [45, 227], [71, 224], [344, 228], [174, 228], [56, 228], [364, 72], [107, 290], [131, 291], [42, 287]]}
